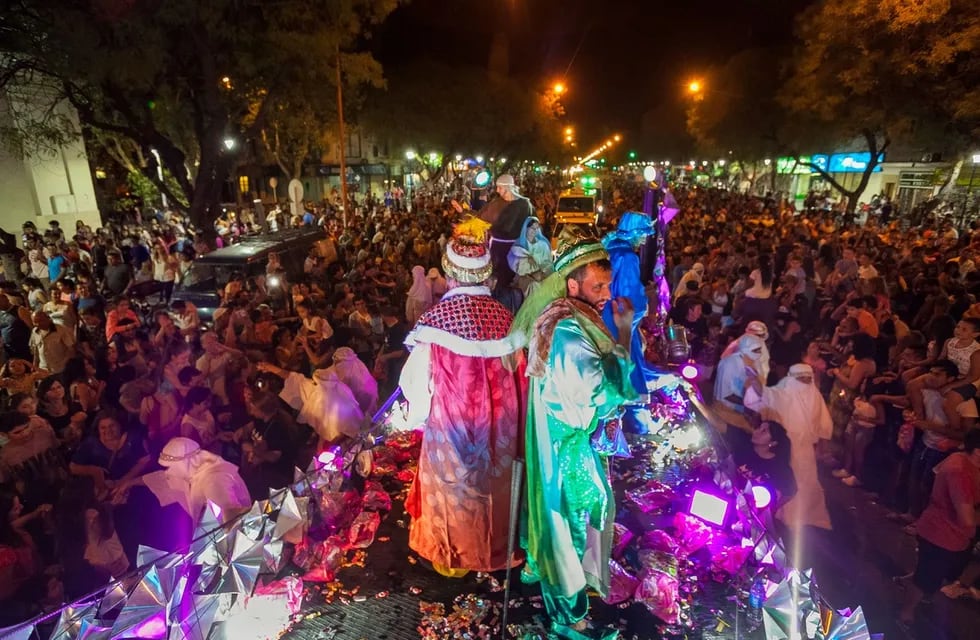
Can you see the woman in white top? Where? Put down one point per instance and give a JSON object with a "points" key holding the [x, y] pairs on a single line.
{"points": [[963, 350], [761, 279], [530, 257], [164, 269]]}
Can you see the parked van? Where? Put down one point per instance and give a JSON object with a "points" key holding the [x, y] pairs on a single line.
{"points": [[575, 214], [212, 271]]}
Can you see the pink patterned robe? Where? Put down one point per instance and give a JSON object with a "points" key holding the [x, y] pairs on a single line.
{"points": [[465, 381]]}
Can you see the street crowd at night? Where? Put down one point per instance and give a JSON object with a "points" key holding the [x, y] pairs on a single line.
{"points": [[443, 320], [829, 353]]}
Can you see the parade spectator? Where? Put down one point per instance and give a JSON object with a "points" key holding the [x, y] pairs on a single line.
{"points": [[797, 404], [52, 344], [946, 528], [419, 295]]}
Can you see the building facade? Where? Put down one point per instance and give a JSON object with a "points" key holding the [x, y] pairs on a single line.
{"points": [[48, 184]]}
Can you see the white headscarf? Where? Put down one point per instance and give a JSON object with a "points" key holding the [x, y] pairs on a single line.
{"points": [[695, 273], [799, 404], [341, 414], [192, 477], [757, 329], [355, 374], [419, 295], [732, 377]]}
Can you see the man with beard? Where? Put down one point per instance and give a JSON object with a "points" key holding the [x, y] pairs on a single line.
{"points": [[579, 376]]}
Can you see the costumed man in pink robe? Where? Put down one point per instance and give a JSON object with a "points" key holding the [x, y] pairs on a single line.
{"points": [[464, 382]]}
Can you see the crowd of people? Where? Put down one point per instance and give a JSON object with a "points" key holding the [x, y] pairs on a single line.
{"points": [[883, 321], [851, 346], [106, 400]]}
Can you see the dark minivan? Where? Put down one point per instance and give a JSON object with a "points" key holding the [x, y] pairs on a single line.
{"points": [[212, 271]]}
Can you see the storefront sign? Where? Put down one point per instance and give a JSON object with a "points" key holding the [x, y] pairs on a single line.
{"points": [[917, 179], [853, 162]]}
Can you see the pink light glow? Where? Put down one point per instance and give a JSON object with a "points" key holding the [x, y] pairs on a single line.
{"points": [[155, 627]]}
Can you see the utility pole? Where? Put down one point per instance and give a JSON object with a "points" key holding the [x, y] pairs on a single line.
{"points": [[343, 141]]}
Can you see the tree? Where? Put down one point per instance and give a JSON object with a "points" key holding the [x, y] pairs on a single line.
{"points": [[432, 106], [190, 80], [881, 70], [735, 115], [736, 109]]}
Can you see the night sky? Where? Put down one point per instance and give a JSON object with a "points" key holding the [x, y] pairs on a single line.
{"points": [[633, 55]]}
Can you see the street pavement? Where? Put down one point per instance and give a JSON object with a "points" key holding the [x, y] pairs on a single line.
{"points": [[853, 565]]}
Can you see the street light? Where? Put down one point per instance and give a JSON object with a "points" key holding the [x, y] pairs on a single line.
{"points": [[569, 131], [503, 160], [721, 163], [694, 86], [969, 189], [433, 156], [559, 88], [767, 162], [163, 196], [617, 137], [479, 159], [409, 155], [229, 143]]}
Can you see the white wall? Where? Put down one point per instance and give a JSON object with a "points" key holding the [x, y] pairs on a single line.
{"points": [[55, 185]]}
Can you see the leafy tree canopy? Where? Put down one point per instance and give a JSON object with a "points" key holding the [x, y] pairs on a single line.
{"points": [[431, 106], [182, 76]]}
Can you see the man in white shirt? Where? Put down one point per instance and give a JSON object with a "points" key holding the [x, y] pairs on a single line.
{"points": [[52, 344], [866, 270]]}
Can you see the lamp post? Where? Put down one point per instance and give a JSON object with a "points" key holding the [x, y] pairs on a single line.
{"points": [[410, 157], [163, 196], [969, 189]]}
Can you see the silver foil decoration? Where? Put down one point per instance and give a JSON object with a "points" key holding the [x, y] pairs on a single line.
{"points": [[69, 623], [796, 609], [242, 566], [145, 614], [22, 632]]}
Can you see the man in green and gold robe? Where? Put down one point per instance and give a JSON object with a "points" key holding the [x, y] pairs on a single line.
{"points": [[579, 375]]}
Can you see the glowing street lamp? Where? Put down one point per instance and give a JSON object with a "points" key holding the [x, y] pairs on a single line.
{"points": [[767, 162], [479, 159], [409, 155], [559, 88], [569, 131], [694, 86], [229, 143], [433, 156], [617, 137]]}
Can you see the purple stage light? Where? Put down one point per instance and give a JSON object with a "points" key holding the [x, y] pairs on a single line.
{"points": [[689, 371], [708, 507], [762, 496]]}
